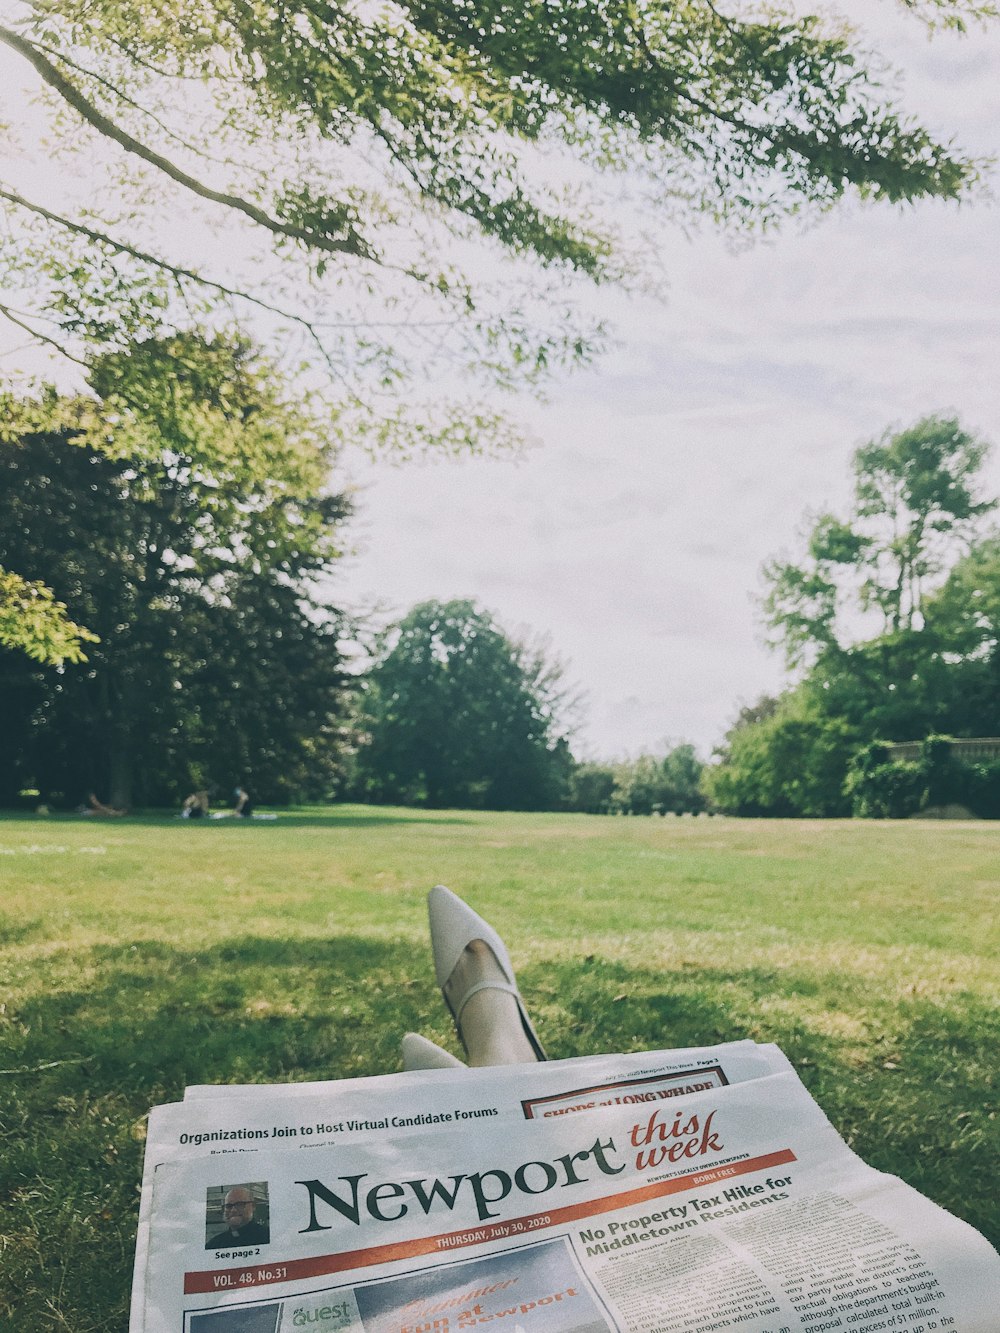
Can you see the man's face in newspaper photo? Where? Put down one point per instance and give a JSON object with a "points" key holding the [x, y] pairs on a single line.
{"points": [[238, 1210]]}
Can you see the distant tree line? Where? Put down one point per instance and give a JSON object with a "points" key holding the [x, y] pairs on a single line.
{"points": [[455, 712], [181, 512]]}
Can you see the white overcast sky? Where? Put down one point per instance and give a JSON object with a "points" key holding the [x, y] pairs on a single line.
{"points": [[632, 533]]}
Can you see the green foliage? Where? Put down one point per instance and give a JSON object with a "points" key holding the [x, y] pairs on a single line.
{"points": [[897, 685], [216, 662], [33, 622], [965, 611], [671, 785], [359, 145], [906, 686], [791, 762], [881, 789], [910, 551], [982, 789], [591, 788], [646, 785], [916, 491], [455, 713], [915, 503]]}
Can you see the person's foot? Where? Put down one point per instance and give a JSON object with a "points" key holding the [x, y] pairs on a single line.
{"points": [[419, 1053], [477, 980], [489, 1020]]}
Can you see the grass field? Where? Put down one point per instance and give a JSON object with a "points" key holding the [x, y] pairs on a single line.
{"points": [[142, 955]]}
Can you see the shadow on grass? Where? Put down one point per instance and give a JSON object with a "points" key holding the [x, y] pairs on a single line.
{"points": [[331, 818], [121, 1028], [20, 932]]}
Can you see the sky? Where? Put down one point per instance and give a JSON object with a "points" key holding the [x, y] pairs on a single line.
{"points": [[631, 535]]}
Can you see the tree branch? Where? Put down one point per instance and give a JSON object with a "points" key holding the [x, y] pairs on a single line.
{"points": [[98, 121], [129, 54], [174, 270], [137, 106], [9, 314]]}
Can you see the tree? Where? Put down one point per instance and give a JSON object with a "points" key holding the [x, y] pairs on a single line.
{"points": [[414, 168], [649, 785], [820, 748], [790, 762], [591, 788], [964, 617], [965, 611], [915, 503], [370, 147], [214, 657], [456, 713], [930, 666]]}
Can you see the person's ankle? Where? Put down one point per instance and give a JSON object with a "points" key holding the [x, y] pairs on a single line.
{"points": [[491, 1030]]}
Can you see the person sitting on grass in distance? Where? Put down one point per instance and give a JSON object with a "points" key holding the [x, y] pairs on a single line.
{"points": [[96, 807], [242, 1228], [195, 806], [243, 808]]}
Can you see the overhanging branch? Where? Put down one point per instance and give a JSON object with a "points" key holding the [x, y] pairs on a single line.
{"points": [[98, 121], [145, 257]]}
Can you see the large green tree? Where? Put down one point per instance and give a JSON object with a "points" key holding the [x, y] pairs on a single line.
{"points": [[964, 616], [965, 611], [890, 620], [788, 759], [456, 713], [215, 659]]}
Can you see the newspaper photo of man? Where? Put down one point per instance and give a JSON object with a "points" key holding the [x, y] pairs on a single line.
{"points": [[244, 1214]]}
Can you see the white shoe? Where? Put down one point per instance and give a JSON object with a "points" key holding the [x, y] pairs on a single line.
{"points": [[419, 1053], [454, 926]]}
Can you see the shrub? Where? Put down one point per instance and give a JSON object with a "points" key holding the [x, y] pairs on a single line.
{"points": [[882, 789], [984, 789], [791, 763]]}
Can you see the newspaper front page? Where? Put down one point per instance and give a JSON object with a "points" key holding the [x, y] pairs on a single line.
{"points": [[226, 1118], [735, 1206]]}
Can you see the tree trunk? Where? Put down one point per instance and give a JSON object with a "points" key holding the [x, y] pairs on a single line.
{"points": [[120, 754]]}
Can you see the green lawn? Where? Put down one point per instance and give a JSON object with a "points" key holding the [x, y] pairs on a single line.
{"points": [[141, 955]]}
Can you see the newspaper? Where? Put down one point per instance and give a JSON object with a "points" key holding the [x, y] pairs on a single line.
{"points": [[339, 1110], [670, 1192]]}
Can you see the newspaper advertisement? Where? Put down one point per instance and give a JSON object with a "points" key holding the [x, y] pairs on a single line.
{"points": [[736, 1206]]}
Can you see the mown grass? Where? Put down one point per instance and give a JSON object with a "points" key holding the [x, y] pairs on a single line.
{"points": [[141, 955]]}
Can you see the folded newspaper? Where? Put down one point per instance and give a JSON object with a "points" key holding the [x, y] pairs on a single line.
{"points": [[682, 1191]]}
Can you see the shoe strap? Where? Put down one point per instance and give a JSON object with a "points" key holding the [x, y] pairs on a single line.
{"points": [[485, 985]]}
